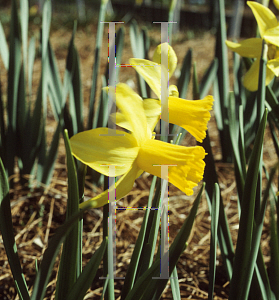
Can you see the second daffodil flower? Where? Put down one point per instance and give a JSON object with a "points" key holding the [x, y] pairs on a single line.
{"points": [[134, 152], [192, 115], [252, 48]]}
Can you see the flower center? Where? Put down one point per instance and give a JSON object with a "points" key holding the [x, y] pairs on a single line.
{"points": [[273, 52]]}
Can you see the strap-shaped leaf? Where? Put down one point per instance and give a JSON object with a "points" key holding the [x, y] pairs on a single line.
{"points": [[24, 18], [147, 287], [135, 259], [50, 254], [84, 281], [223, 82], [175, 285], [213, 241], [13, 80], [208, 78], [140, 45], [73, 86], [6, 228], [224, 236], [67, 274], [185, 75], [244, 240], [97, 59], [4, 50]]}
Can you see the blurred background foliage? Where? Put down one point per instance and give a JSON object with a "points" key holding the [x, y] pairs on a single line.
{"points": [[202, 14]]}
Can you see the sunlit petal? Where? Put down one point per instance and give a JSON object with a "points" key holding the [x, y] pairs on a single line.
{"points": [[101, 147], [276, 3], [152, 108], [131, 106], [272, 36], [264, 16], [173, 91], [247, 48], [188, 164], [123, 186], [251, 78], [171, 55], [192, 115], [273, 65], [150, 71], [270, 73], [122, 122]]}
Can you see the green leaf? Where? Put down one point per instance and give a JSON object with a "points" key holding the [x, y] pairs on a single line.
{"points": [[247, 217], [54, 83], [153, 224], [224, 236], [185, 74], [175, 285], [46, 20], [274, 250], [84, 281], [31, 59], [50, 254], [261, 88], [196, 87], [119, 44], [73, 87], [213, 241], [6, 228], [13, 81], [97, 59], [51, 157], [208, 78], [236, 135], [140, 46], [24, 16], [223, 83], [67, 274], [4, 50], [147, 287], [134, 263]]}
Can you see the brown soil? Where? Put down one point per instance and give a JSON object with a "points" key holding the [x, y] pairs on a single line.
{"points": [[38, 212]]}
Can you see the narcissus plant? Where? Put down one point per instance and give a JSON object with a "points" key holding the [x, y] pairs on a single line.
{"points": [[131, 153], [252, 48]]}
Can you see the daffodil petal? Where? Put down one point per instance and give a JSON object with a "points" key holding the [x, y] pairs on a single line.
{"points": [[272, 36], [247, 48], [122, 122], [98, 148], [150, 71], [187, 163], [264, 16], [269, 75], [123, 186], [276, 3], [173, 91], [172, 58], [131, 106], [152, 109], [192, 115], [251, 78], [273, 65]]}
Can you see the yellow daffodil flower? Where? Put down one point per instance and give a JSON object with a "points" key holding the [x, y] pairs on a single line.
{"points": [[134, 152], [252, 48], [193, 116]]}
